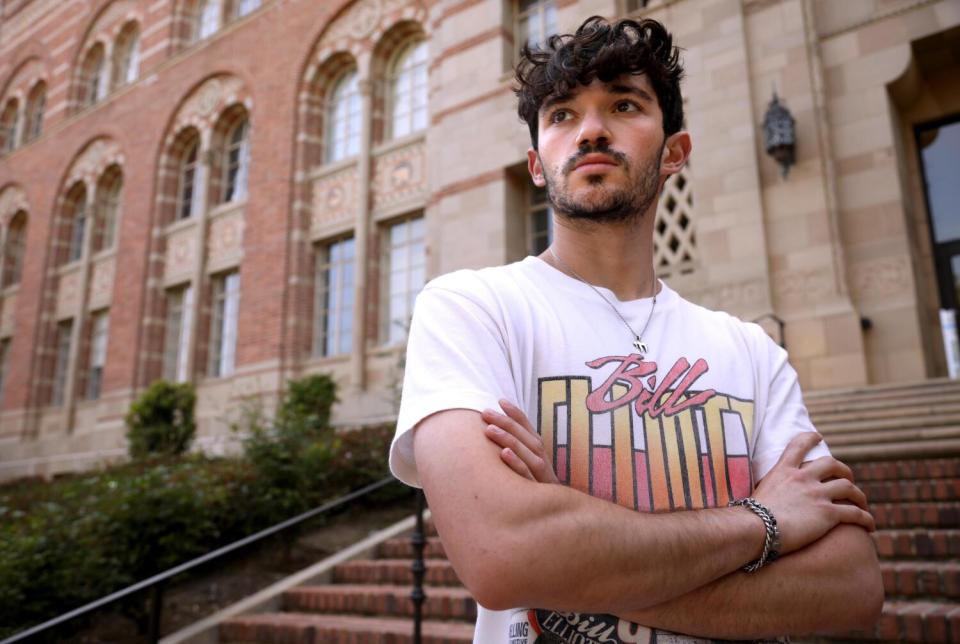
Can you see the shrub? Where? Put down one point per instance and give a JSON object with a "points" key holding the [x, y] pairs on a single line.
{"points": [[161, 420]]}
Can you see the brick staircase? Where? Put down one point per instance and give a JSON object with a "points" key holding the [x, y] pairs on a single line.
{"points": [[903, 443]]}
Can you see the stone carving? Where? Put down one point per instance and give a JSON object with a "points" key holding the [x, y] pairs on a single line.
{"points": [[802, 287], [181, 251], [400, 175], [881, 277], [334, 198], [115, 12], [8, 306], [365, 17], [12, 201], [226, 237], [67, 294], [101, 284], [208, 100], [674, 247], [24, 78], [733, 298], [94, 159]]}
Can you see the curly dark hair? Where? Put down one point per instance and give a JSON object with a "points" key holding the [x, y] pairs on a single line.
{"points": [[601, 50]]}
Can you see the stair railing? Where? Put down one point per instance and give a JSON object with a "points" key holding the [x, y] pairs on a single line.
{"points": [[780, 326], [419, 541], [156, 583]]}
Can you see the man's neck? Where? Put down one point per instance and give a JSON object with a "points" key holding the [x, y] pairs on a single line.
{"points": [[615, 256]]}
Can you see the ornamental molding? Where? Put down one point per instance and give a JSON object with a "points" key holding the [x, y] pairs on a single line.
{"points": [[25, 78], [881, 278], [734, 297], [334, 199], [95, 158], [802, 287], [399, 176], [365, 22], [12, 200], [204, 106]]}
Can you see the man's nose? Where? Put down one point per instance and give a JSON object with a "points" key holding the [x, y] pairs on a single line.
{"points": [[593, 129]]}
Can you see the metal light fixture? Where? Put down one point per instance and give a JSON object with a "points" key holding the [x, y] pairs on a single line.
{"points": [[780, 134]]}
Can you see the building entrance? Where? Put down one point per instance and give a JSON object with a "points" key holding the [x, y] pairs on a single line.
{"points": [[939, 146]]}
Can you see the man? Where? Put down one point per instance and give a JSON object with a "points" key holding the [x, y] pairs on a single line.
{"points": [[645, 404]]}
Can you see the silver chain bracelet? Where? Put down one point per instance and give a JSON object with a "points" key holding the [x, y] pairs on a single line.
{"points": [[771, 543]]}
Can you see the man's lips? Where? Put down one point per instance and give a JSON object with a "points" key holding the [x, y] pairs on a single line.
{"points": [[595, 162]]}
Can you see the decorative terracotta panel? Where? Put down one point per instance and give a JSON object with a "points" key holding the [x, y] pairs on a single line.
{"points": [[8, 308], [181, 254], [101, 284], [400, 177], [334, 199], [225, 239], [68, 293]]}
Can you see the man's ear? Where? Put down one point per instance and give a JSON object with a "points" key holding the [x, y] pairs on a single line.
{"points": [[535, 168], [676, 151]]}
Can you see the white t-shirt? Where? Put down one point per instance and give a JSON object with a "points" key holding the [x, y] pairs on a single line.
{"points": [[695, 423]]}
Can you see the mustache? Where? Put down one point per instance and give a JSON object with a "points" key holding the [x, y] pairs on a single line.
{"points": [[572, 162]]}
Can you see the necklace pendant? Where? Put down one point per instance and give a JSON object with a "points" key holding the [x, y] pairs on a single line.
{"points": [[640, 346]]}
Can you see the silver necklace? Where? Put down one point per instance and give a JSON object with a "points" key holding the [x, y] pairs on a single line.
{"points": [[638, 343]]}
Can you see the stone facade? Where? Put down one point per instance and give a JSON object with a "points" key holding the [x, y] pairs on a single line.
{"points": [[840, 249]]}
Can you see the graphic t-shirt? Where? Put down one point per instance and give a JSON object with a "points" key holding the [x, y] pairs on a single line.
{"points": [[694, 423]]}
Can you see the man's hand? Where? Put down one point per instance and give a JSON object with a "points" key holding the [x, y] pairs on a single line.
{"points": [[521, 447], [807, 499]]}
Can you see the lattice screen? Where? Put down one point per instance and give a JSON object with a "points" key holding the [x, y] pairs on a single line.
{"points": [[674, 241]]}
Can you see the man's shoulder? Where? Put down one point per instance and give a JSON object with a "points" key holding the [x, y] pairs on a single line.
{"points": [[480, 285], [724, 322]]}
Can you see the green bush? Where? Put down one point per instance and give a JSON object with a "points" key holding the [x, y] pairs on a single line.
{"points": [[161, 420]]}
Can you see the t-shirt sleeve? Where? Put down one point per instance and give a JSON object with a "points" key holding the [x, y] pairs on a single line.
{"points": [[456, 359], [784, 414]]}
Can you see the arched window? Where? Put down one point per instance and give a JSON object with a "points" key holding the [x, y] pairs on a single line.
{"points": [[9, 120], [93, 77], [107, 209], [36, 103], [15, 248], [240, 8], [76, 224], [208, 19], [536, 21], [344, 114], [236, 162], [189, 183], [408, 91], [126, 56]]}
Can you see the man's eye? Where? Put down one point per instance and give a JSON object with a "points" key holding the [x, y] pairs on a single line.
{"points": [[627, 106], [559, 115]]}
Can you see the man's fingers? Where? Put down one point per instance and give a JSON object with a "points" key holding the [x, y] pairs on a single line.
{"points": [[855, 515], [515, 463], [529, 439], [517, 415], [827, 467], [844, 490], [798, 447]]}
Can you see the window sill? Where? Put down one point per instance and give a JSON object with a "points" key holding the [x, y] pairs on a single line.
{"points": [[224, 209], [322, 361], [13, 289], [180, 224], [395, 144], [328, 169]]}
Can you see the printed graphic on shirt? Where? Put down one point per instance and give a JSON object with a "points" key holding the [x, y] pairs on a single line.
{"points": [[646, 438]]}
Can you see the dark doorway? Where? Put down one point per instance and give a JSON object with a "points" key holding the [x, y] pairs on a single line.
{"points": [[939, 145]]}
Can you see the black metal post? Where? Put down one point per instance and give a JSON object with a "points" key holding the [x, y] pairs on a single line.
{"points": [[419, 540], [156, 612]]}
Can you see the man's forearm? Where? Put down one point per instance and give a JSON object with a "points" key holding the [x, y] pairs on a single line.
{"points": [[832, 585]]}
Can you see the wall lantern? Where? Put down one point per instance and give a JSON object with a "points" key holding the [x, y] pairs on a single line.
{"points": [[780, 134]]}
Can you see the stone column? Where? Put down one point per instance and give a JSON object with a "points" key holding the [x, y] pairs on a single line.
{"points": [[362, 241], [198, 281], [78, 331]]}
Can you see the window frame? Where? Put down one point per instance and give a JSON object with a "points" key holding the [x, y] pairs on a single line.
{"points": [[343, 267], [208, 20], [388, 319], [5, 344], [538, 204], [10, 126], [188, 166], [107, 211], [353, 119], [94, 76], [61, 366], [15, 250], [97, 353], [179, 318], [399, 72], [36, 105], [236, 162], [224, 318], [78, 224], [535, 8], [126, 55]]}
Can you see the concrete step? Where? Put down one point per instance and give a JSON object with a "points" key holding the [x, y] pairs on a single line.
{"points": [[384, 600], [917, 542], [934, 580], [906, 468], [883, 425], [893, 435], [923, 514], [439, 572], [912, 490], [403, 549], [302, 628], [907, 411]]}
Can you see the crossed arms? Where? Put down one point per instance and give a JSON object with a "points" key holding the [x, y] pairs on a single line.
{"points": [[517, 541]]}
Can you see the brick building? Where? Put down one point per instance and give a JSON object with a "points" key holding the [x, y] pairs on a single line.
{"points": [[235, 192]]}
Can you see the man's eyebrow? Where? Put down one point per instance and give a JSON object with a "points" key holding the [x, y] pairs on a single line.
{"points": [[553, 99], [630, 89]]}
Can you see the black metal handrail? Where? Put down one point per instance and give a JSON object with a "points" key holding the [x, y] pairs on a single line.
{"points": [[766, 316], [419, 541], [156, 583]]}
